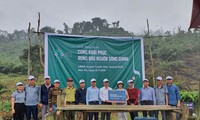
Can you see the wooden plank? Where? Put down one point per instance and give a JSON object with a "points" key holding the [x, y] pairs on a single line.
{"points": [[115, 108]]}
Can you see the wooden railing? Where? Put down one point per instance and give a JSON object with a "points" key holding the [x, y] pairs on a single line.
{"points": [[170, 111]]}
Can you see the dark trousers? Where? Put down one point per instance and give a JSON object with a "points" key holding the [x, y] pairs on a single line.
{"points": [[31, 110], [95, 114], [147, 102], [19, 111], [70, 115], [135, 113], [105, 115]]}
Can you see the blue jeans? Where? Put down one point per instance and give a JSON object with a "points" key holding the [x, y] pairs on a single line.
{"points": [[54, 108], [31, 110]]}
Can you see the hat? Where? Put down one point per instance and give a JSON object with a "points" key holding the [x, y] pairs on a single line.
{"points": [[168, 78], [105, 80], [159, 78], [56, 81], [93, 80], [81, 81], [130, 81], [19, 83], [146, 80], [47, 77], [31, 77], [119, 82], [69, 80]]}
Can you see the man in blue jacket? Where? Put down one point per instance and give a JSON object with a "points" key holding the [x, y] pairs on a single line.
{"points": [[44, 94], [174, 98]]}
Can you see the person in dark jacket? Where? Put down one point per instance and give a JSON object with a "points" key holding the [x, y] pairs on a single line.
{"points": [[44, 94], [80, 99]]}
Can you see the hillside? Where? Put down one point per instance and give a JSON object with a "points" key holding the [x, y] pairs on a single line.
{"points": [[177, 55]]}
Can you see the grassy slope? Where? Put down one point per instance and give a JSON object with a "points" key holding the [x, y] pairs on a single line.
{"points": [[11, 51]]}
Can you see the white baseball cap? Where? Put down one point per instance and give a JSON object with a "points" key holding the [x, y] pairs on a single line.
{"points": [[120, 82], [81, 81], [168, 78], [159, 78], [47, 77], [19, 83], [130, 81], [30, 77], [105, 80], [146, 80], [93, 80], [56, 81]]}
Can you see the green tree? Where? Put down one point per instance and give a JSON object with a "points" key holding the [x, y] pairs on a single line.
{"points": [[47, 29], [35, 61]]}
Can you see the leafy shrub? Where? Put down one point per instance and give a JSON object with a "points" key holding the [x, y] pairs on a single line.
{"points": [[5, 106], [187, 96]]}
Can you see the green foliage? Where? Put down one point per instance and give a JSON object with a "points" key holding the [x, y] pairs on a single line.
{"points": [[98, 27], [5, 106], [35, 61], [187, 96], [47, 29]]}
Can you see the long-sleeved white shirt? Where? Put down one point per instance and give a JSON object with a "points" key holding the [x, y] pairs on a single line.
{"points": [[104, 93]]}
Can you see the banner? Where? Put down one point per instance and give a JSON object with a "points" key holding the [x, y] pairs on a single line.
{"points": [[87, 57]]}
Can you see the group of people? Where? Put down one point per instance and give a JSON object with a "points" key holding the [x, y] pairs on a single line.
{"points": [[27, 99]]}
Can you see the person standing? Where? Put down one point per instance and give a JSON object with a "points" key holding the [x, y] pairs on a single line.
{"points": [[17, 102], [147, 97], [161, 93], [104, 99], [174, 98], [44, 94], [122, 115], [32, 98], [80, 99], [70, 91], [92, 98], [133, 94], [52, 97]]}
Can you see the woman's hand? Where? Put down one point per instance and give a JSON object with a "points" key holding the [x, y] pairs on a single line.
{"points": [[13, 111]]}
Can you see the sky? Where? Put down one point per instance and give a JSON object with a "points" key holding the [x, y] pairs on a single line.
{"points": [[132, 14]]}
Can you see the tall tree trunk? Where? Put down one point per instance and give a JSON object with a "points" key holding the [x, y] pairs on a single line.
{"points": [[29, 48], [38, 36]]}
